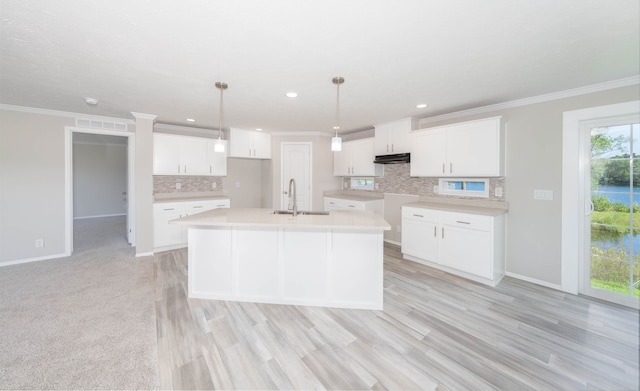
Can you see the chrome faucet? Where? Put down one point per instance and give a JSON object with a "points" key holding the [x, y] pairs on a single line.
{"points": [[295, 203]]}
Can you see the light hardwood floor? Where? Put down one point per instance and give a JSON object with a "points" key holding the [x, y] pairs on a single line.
{"points": [[437, 332]]}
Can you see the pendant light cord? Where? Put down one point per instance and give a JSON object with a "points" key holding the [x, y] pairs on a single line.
{"points": [[220, 115]]}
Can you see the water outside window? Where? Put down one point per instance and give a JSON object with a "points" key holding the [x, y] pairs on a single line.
{"points": [[615, 220]]}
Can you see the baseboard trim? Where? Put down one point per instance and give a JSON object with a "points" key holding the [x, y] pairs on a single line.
{"points": [[149, 254], [535, 281], [36, 259], [95, 217], [393, 242]]}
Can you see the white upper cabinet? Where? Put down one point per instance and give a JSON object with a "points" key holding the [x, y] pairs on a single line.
{"points": [[249, 144], [356, 159], [468, 149], [185, 155], [394, 137]]}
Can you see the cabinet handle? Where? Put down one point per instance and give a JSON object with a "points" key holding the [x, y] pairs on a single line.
{"points": [[391, 147], [435, 231], [387, 147], [352, 206], [221, 206], [451, 168], [185, 168], [197, 206], [210, 170], [443, 168], [249, 151], [462, 222], [332, 203], [178, 169], [168, 209], [418, 215], [442, 232]]}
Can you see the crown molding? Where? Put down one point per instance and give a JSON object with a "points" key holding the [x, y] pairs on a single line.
{"points": [[302, 133], [66, 114], [181, 128], [630, 81], [151, 117]]}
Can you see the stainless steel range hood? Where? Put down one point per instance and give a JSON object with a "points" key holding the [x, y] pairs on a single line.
{"points": [[393, 159]]}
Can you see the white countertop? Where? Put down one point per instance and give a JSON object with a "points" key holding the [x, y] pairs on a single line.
{"points": [[180, 198], [479, 210], [354, 197], [257, 217]]}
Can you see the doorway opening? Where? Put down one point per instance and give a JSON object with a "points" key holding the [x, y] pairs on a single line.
{"points": [[99, 191]]}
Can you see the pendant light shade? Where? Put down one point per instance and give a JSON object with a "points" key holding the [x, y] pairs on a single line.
{"points": [[219, 145], [336, 142]]}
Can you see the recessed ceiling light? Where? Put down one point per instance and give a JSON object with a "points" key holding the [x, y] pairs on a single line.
{"points": [[292, 94], [191, 120], [91, 101], [259, 129], [421, 105]]}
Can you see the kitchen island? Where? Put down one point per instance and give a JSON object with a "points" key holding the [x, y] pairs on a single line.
{"points": [[254, 255]]}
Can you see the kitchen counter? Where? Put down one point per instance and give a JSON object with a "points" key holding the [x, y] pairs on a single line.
{"points": [[185, 197], [253, 255], [254, 217], [451, 207]]}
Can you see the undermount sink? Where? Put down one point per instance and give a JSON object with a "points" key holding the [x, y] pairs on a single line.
{"points": [[304, 212]]}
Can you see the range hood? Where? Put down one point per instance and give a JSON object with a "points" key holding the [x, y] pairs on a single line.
{"points": [[393, 159]]}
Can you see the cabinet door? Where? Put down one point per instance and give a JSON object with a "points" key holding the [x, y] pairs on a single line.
{"points": [[467, 250], [342, 161], [165, 234], [194, 153], [382, 145], [261, 145], [473, 149], [240, 143], [400, 136], [166, 154], [362, 157], [217, 161], [420, 239], [428, 153]]}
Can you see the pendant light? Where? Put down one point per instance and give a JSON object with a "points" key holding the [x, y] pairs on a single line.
{"points": [[336, 142], [219, 146]]}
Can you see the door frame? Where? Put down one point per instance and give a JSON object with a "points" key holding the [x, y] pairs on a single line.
{"points": [[574, 198], [282, 186], [68, 179]]}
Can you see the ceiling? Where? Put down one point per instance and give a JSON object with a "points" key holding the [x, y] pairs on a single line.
{"points": [[163, 57]]}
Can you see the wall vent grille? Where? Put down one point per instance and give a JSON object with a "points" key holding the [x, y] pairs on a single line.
{"points": [[100, 124]]}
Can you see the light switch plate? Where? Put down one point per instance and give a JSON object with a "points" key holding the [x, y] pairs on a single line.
{"points": [[178, 185], [543, 195]]}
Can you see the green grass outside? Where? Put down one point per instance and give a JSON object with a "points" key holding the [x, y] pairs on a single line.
{"points": [[615, 218], [614, 287]]}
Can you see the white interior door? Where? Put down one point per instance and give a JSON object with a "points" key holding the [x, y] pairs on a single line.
{"points": [[296, 164]]}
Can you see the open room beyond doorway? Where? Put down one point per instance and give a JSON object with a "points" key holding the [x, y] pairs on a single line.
{"points": [[99, 197]]}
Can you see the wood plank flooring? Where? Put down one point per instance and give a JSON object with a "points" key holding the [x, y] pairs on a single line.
{"points": [[437, 332]]}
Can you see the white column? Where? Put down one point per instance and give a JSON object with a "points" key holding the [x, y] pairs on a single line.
{"points": [[144, 183]]}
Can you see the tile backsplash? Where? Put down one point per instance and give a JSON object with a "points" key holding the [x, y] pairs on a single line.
{"points": [[188, 184], [396, 180]]}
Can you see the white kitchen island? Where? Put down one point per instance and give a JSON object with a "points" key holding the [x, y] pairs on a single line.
{"points": [[253, 255]]}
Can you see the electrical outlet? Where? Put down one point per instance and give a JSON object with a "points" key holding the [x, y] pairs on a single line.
{"points": [[377, 186], [237, 184], [214, 185], [178, 185], [39, 243], [436, 189], [498, 192]]}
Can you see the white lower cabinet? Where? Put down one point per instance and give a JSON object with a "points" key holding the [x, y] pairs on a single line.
{"points": [[170, 236], [337, 203], [467, 244]]}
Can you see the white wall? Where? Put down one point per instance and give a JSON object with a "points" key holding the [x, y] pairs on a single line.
{"points": [[32, 185], [99, 179], [243, 183]]}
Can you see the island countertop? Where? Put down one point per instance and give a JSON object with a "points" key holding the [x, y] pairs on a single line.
{"points": [[261, 217]]}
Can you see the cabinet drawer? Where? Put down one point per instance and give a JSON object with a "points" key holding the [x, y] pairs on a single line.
{"points": [[419, 214], [465, 220]]}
